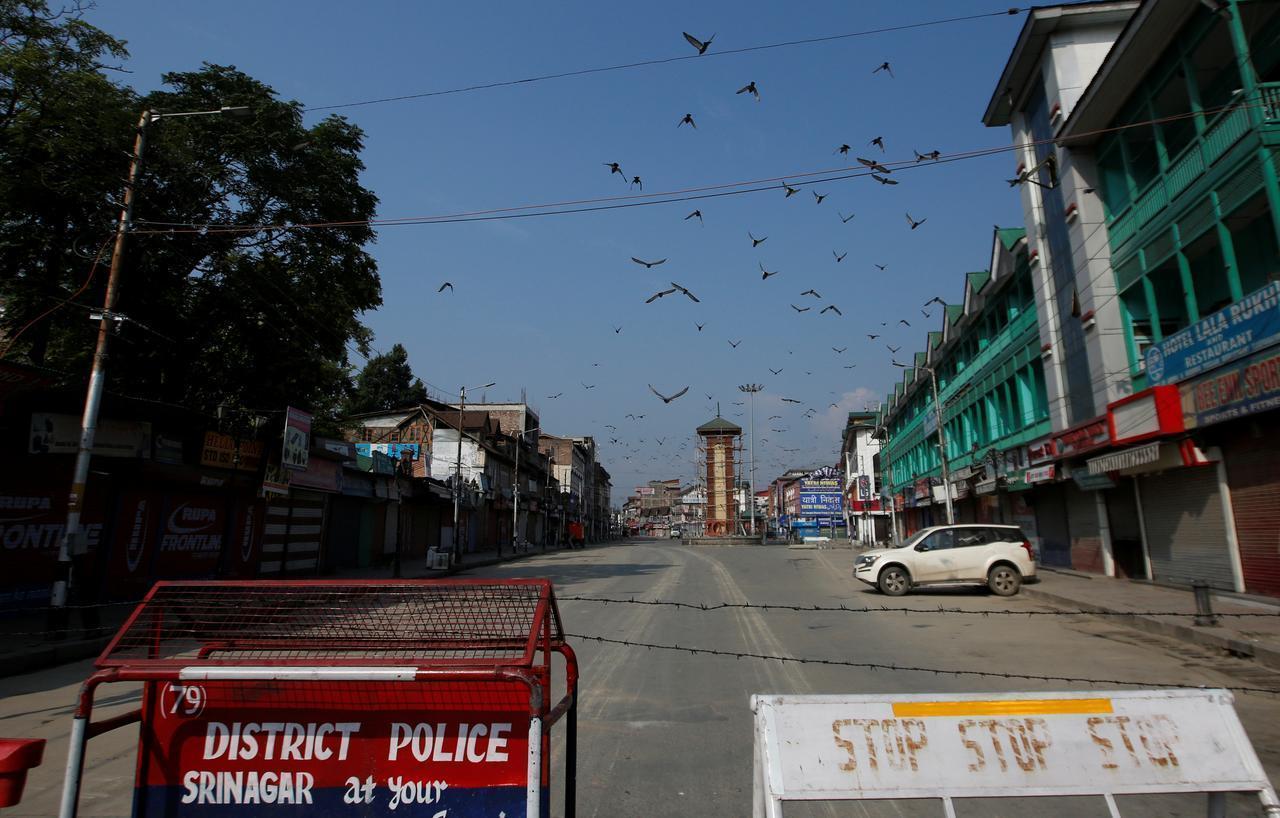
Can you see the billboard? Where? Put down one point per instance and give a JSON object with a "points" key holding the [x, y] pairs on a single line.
{"points": [[1249, 325], [820, 496], [297, 439]]}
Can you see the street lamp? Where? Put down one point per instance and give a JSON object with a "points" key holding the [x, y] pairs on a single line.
{"points": [[942, 441], [457, 469], [515, 490], [751, 389], [71, 536]]}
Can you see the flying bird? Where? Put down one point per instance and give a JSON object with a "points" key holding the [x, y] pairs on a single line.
{"points": [[914, 224], [648, 265], [553, 397], [665, 398], [871, 337], [839, 350], [892, 349], [800, 309], [617, 330], [699, 326], [687, 119], [587, 386], [686, 292], [878, 142], [755, 242], [839, 256], [818, 198], [831, 308], [658, 295], [615, 168], [775, 417], [791, 191], [874, 165], [698, 44], [925, 313], [750, 88], [812, 292], [661, 440], [775, 371], [695, 214], [845, 219], [920, 157], [791, 400], [882, 180], [850, 366], [904, 322], [734, 344], [936, 300], [843, 150], [635, 180], [884, 66], [445, 286], [764, 274]]}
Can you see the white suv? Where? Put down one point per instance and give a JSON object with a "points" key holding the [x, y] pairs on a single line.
{"points": [[998, 556]]}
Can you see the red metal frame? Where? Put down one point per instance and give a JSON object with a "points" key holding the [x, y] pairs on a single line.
{"points": [[1168, 406], [160, 640]]}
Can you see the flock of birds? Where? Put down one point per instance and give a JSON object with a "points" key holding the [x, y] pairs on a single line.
{"points": [[877, 170]]}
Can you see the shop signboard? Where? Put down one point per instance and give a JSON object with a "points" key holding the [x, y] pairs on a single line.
{"points": [[266, 748], [1243, 388], [1247, 326], [1091, 482], [821, 495], [60, 434], [297, 439], [1040, 474], [1082, 438], [228, 452], [1151, 413], [1041, 451]]}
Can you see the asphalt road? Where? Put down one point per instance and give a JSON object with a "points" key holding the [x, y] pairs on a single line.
{"points": [[667, 733]]}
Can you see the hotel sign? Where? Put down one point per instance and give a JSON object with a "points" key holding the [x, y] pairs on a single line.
{"points": [[1247, 326]]}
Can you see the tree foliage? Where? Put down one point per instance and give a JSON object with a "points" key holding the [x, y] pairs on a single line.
{"points": [[220, 312], [386, 382]]}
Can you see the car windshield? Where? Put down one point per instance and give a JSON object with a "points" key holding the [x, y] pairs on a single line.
{"points": [[915, 538]]}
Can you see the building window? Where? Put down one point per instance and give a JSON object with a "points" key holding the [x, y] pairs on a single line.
{"points": [[1040, 396], [1171, 103], [1213, 61], [1209, 275], [1253, 239], [1170, 296], [1113, 179], [1140, 149], [1138, 318], [1261, 21]]}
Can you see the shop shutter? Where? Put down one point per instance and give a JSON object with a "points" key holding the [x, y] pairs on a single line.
{"points": [[1186, 533], [1082, 523], [1051, 524], [1254, 481], [291, 540]]}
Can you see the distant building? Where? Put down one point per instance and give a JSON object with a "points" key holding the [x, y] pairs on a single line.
{"points": [[721, 442]]}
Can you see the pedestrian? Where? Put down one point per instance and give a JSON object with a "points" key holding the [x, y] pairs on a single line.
{"points": [[576, 537]]}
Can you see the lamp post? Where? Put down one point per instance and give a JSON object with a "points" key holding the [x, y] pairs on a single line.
{"points": [[457, 468], [71, 536], [942, 441], [515, 490], [751, 389]]}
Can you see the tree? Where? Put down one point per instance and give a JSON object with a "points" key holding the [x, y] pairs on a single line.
{"points": [[232, 298], [386, 382]]}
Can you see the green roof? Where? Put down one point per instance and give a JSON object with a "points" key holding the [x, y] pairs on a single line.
{"points": [[719, 424], [920, 358], [978, 280], [1009, 236], [935, 339], [954, 311]]}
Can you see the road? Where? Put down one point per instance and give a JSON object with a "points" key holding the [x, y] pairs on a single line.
{"points": [[667, 733]]}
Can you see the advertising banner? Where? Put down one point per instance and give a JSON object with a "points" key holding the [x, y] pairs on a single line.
{"points": [[220, 451], [32, 521], [191, 537], [297, 439], [340, 748], [60, 434], [1243, 388], [1249, 325], [820, 496]]}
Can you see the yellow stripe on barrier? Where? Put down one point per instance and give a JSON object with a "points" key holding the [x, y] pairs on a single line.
{"points": [[1015, 707]]}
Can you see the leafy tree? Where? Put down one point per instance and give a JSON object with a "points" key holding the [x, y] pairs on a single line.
{"points": [[386, 382], [222, 310]]}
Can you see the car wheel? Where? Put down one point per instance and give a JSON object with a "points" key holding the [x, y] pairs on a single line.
{"points": [[1004, 580], [894, 581]]}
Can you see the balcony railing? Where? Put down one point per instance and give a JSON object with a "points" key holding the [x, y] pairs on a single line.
{"points": [[1224, 130]]}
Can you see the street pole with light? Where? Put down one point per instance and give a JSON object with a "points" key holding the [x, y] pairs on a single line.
{"points": [[72, 539], [457, 469], [515, 490], [751, 389], [942, 441]]}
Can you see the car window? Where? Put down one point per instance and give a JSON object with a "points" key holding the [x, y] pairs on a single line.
{"points": [[966, 537], [940, 540], [1005, 535]]}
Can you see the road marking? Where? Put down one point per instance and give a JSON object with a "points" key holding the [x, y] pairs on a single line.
{"points": [[1015, 707]]}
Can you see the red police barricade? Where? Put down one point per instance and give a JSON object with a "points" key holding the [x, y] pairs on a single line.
{"points": [[375, 697]]}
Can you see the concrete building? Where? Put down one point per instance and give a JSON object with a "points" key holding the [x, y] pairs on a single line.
{"points": [[866, 517]]}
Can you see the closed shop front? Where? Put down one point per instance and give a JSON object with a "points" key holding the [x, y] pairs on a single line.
{"points": [[1049, 501], [1252, 458], [294, 530], [1083, 529], [1126, 530], [1186, 531]]}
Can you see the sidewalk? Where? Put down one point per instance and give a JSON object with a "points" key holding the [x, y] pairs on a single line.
{"points": [[1257, 637], [26, 648]]}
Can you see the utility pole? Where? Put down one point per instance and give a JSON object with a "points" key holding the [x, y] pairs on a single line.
{"points": [[515, 490], [942, 447], [72, 539], [457, 470]]}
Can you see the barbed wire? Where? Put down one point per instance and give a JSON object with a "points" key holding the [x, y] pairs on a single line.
{"points": [[765, 606], [893, 668]]}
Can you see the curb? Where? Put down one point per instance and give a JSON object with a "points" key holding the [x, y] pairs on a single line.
{"points": [[1270, 657]]}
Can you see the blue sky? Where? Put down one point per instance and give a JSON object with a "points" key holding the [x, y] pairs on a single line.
{"points": [[536, 300]]}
